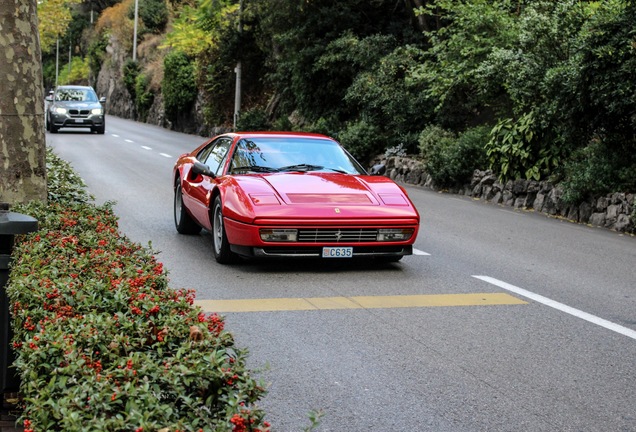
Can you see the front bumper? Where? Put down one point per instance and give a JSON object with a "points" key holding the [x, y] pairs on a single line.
{"points": [[246, 241], [316, 252], [77, 121]]}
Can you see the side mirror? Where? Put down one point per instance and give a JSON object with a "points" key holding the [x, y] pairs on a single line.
{"points": [[102, 99], [49, 98], [202, 169], [378, 169]]}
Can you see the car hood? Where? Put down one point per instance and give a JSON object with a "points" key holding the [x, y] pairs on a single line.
{"points": [[318, 194], [79, 105], [321, 188]]}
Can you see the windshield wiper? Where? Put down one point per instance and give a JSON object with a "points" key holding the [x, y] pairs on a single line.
{"points": [[337, 170], [255, 168], [300, 167]]}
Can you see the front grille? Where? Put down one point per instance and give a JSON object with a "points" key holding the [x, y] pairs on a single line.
{"points": [[78, 113], [330, 235]]}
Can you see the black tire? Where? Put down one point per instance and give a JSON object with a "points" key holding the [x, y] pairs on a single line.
{"points": [[48, 123], [53, 128], [101, 129], [220, 244], [182, 220]]}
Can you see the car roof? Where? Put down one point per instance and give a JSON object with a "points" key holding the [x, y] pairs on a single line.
{"points": [[277, 134], [74, 87]]}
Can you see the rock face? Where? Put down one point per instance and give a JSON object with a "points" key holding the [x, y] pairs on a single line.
{"points": [[110, 84], [616, 211], [119, 102]]}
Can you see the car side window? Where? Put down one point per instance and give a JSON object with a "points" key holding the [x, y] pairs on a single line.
{"points": [[217, 153]]}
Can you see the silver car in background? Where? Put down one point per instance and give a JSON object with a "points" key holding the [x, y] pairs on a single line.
{"points": [[75, 107]]}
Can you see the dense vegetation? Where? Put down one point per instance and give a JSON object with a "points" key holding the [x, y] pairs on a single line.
{"points": [[102, 341], [536, 89]]}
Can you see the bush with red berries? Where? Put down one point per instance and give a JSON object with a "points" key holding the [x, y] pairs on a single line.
{"points": [[102, 343]]}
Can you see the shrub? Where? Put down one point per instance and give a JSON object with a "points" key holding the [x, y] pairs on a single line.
{"points": [[78, 73], [451, 160], [595, 170], [144, 97], [179, 87], [430, 138], [131, 71], [362, 139], [97, 52], [154, 14], [253, 120], [102, 341], [63, 184]]}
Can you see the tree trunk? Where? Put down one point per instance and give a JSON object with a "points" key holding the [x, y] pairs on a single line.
{"points": [[22, 140], [422, 24]]}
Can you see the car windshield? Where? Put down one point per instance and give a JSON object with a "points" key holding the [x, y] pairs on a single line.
{"points": [[276, 154], [75, 94]]}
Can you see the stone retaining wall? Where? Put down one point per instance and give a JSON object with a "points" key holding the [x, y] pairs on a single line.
{"points": [[616, 211]]}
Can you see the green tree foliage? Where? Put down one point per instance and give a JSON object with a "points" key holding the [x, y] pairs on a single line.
{"points": [[450, 158], [608, 73], [97, 52], [54, 17], [298, 34], [77, 73], [143, 96], [131, 70], [472, 31], [216, 74], [515, 150], [551, 80], [191, 32], [387, 94], [179, 87], [552, 76], [361, 137], [607, 81], [154, 14]]}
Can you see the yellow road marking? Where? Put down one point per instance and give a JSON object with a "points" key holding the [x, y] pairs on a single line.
{"points": [[361, 302]]}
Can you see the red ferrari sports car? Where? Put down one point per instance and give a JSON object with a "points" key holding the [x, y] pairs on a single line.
{"points": [[283, 194]]}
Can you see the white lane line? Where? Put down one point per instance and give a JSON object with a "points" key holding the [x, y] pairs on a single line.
{"points": [[146, 148], [116, 136], [129, 141], [560, 306], [419, 252], [165, 155]]}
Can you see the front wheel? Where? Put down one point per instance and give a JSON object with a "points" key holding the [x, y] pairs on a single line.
{"points": [[182, 220], [221, 249]]}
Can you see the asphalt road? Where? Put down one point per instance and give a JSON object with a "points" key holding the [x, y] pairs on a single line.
{"points": [[562, 358]]}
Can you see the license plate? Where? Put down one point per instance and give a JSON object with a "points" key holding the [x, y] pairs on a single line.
{"points": [[337, 252], [79, 120]]}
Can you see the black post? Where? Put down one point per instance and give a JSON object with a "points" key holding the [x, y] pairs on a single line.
{"points": [[11, 224]]}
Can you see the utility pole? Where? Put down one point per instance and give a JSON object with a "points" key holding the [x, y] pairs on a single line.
{"points": [[237, 70], [135, 31], [57, 60], [70, 58]]}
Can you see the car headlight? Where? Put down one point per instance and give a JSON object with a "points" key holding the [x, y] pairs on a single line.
{"points": [[394, 234], [279, 235], [97, 111], [60, 110]]}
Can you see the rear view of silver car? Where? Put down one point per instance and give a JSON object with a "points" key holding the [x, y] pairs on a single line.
{"points": [[75, 107]]}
